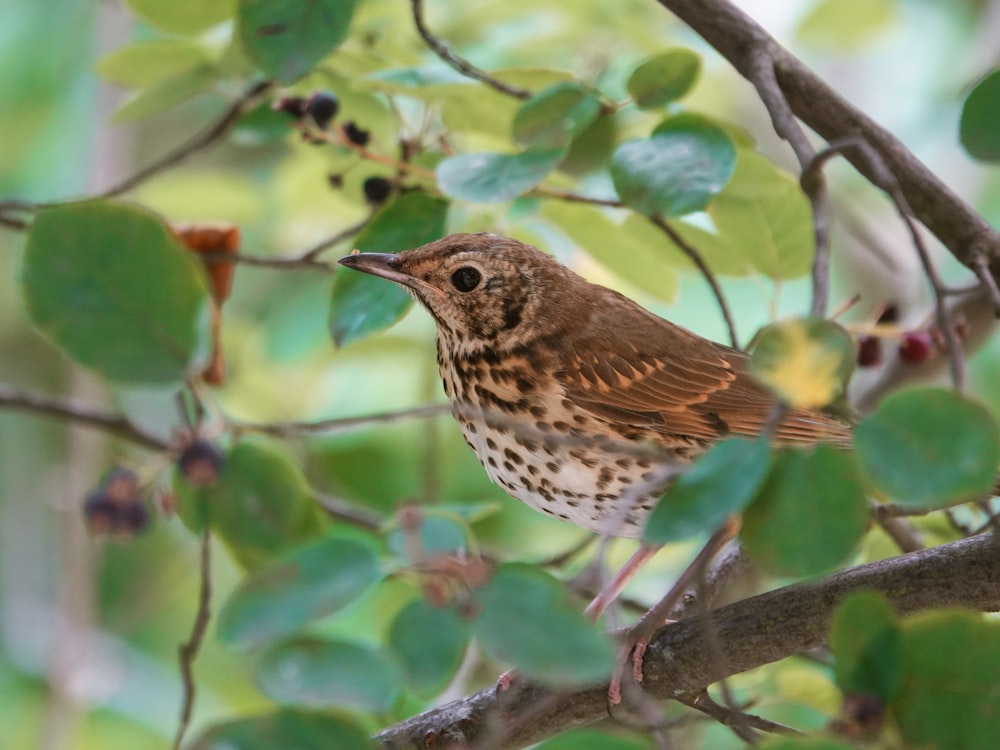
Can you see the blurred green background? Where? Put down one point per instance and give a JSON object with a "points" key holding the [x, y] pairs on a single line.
{"points": [[89, 629]]}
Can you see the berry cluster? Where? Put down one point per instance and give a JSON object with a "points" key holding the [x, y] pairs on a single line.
{"points": [[915, 347], [116, 508]]}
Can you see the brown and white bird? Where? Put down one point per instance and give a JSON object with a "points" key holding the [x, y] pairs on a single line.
{"points": [[570, 393]]}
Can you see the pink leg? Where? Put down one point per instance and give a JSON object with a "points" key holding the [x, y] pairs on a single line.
{"points": [[619, 581]]}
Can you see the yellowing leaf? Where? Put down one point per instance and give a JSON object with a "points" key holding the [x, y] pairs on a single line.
{"points": [[805, 361]]}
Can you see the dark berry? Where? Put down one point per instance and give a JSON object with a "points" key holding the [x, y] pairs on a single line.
{"points": [[916, 347], [100, 513], [336, 181], [120, 486], [377, 189], [200, 463], [133, 519], [889, 315], [869, 351], [109, 516], [291, 105], [356, 135], [322, 108]]}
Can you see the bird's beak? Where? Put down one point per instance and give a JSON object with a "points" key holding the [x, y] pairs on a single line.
{"points": [[385, 266]]}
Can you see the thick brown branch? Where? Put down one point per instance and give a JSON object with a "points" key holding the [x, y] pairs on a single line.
{"points": [[742, 41], [753, 632], [83, 414]]}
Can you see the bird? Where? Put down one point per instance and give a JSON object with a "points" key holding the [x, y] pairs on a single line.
{"points": [[575, 398]]}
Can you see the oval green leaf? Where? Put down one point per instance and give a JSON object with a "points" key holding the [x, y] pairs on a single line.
{"points": [[554, 117], [721, 482], [841, 26], [867, 646], [929, 448], [362, 304], [806, 362], [428, 642], [949, 697], [664, 78], [316, 673], [529, 621], [809, 515], [287, 38], [687, 162], [111, 286], [145, 63], [260, 506], [979, 127], [308, 583], [284, 729], [184, 16], [494, 178]]}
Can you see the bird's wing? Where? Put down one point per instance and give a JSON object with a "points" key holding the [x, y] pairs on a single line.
{"points": [[641, 371]]}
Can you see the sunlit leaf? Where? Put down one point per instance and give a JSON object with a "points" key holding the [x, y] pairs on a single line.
{"points": [[528, 620], [805, 361], [184, 16], [429, 643], [686, 162], [145, 63], [867, 646], [310, 582], [664, 78], [720, 483], [494, 178], [553, 117], [950, 697], [839, 26], [979, 128], [362, 304], [809, 515], [285, 728], [929, 448], [112, 287], [167, 93], [316, 673], [287, 38]]}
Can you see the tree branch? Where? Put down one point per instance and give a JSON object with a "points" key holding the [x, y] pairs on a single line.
{"points": [[752, 632], [84, 414], [742, 41], [188, 651]]}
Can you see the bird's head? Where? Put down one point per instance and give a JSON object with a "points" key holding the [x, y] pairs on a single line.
{"points": [[481, 289]]}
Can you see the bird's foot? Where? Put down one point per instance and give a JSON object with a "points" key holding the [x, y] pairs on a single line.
{"points": [[633, 652], [504, 681]]}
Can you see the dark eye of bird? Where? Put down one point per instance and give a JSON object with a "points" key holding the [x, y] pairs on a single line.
{"points": [[466, 279]]}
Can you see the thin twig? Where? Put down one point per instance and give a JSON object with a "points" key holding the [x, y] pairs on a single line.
{"points": [[341, 424], [734, 719], [341, 510], [982, 268], [83, 414], [699, 261], [463, 66], [312, 253], [188, 651]]}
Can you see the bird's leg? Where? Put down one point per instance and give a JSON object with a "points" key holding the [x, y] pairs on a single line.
{"points": [[639, 636], [613, 588]]}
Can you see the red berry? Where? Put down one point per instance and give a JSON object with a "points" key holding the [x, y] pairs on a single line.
{"points": [[916, 347], [869, 351]]}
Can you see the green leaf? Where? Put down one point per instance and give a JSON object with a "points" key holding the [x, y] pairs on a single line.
{"points": [[438, 534], [714, 251], [809, 515], [112, 287], [308, 583], [589, 739], [553, 117], [803, 743], [144, 63], [287, 38], [805, 361], [664, 78], [979, 127], [721, 482], [429, 643], [677, 171], [648, 267], [867, 646], [950, 696], [494, 178], [839, 26], [763, 216], [316, 673], [363, 304], [286, 728], [929, 448], [260, 506], [184, 16], [167, 94], [528, 620]]}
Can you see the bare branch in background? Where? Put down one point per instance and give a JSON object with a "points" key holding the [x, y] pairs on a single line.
{"points": [[188, 651]]}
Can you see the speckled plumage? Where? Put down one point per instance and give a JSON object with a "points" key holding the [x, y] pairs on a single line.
{"points": [[570, 393]]}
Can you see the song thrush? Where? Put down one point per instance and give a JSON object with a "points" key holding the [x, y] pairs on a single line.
{"points": [[570, 393]]}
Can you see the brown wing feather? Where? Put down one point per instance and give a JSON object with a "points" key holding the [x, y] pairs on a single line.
{"points": [[669, 381]]}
